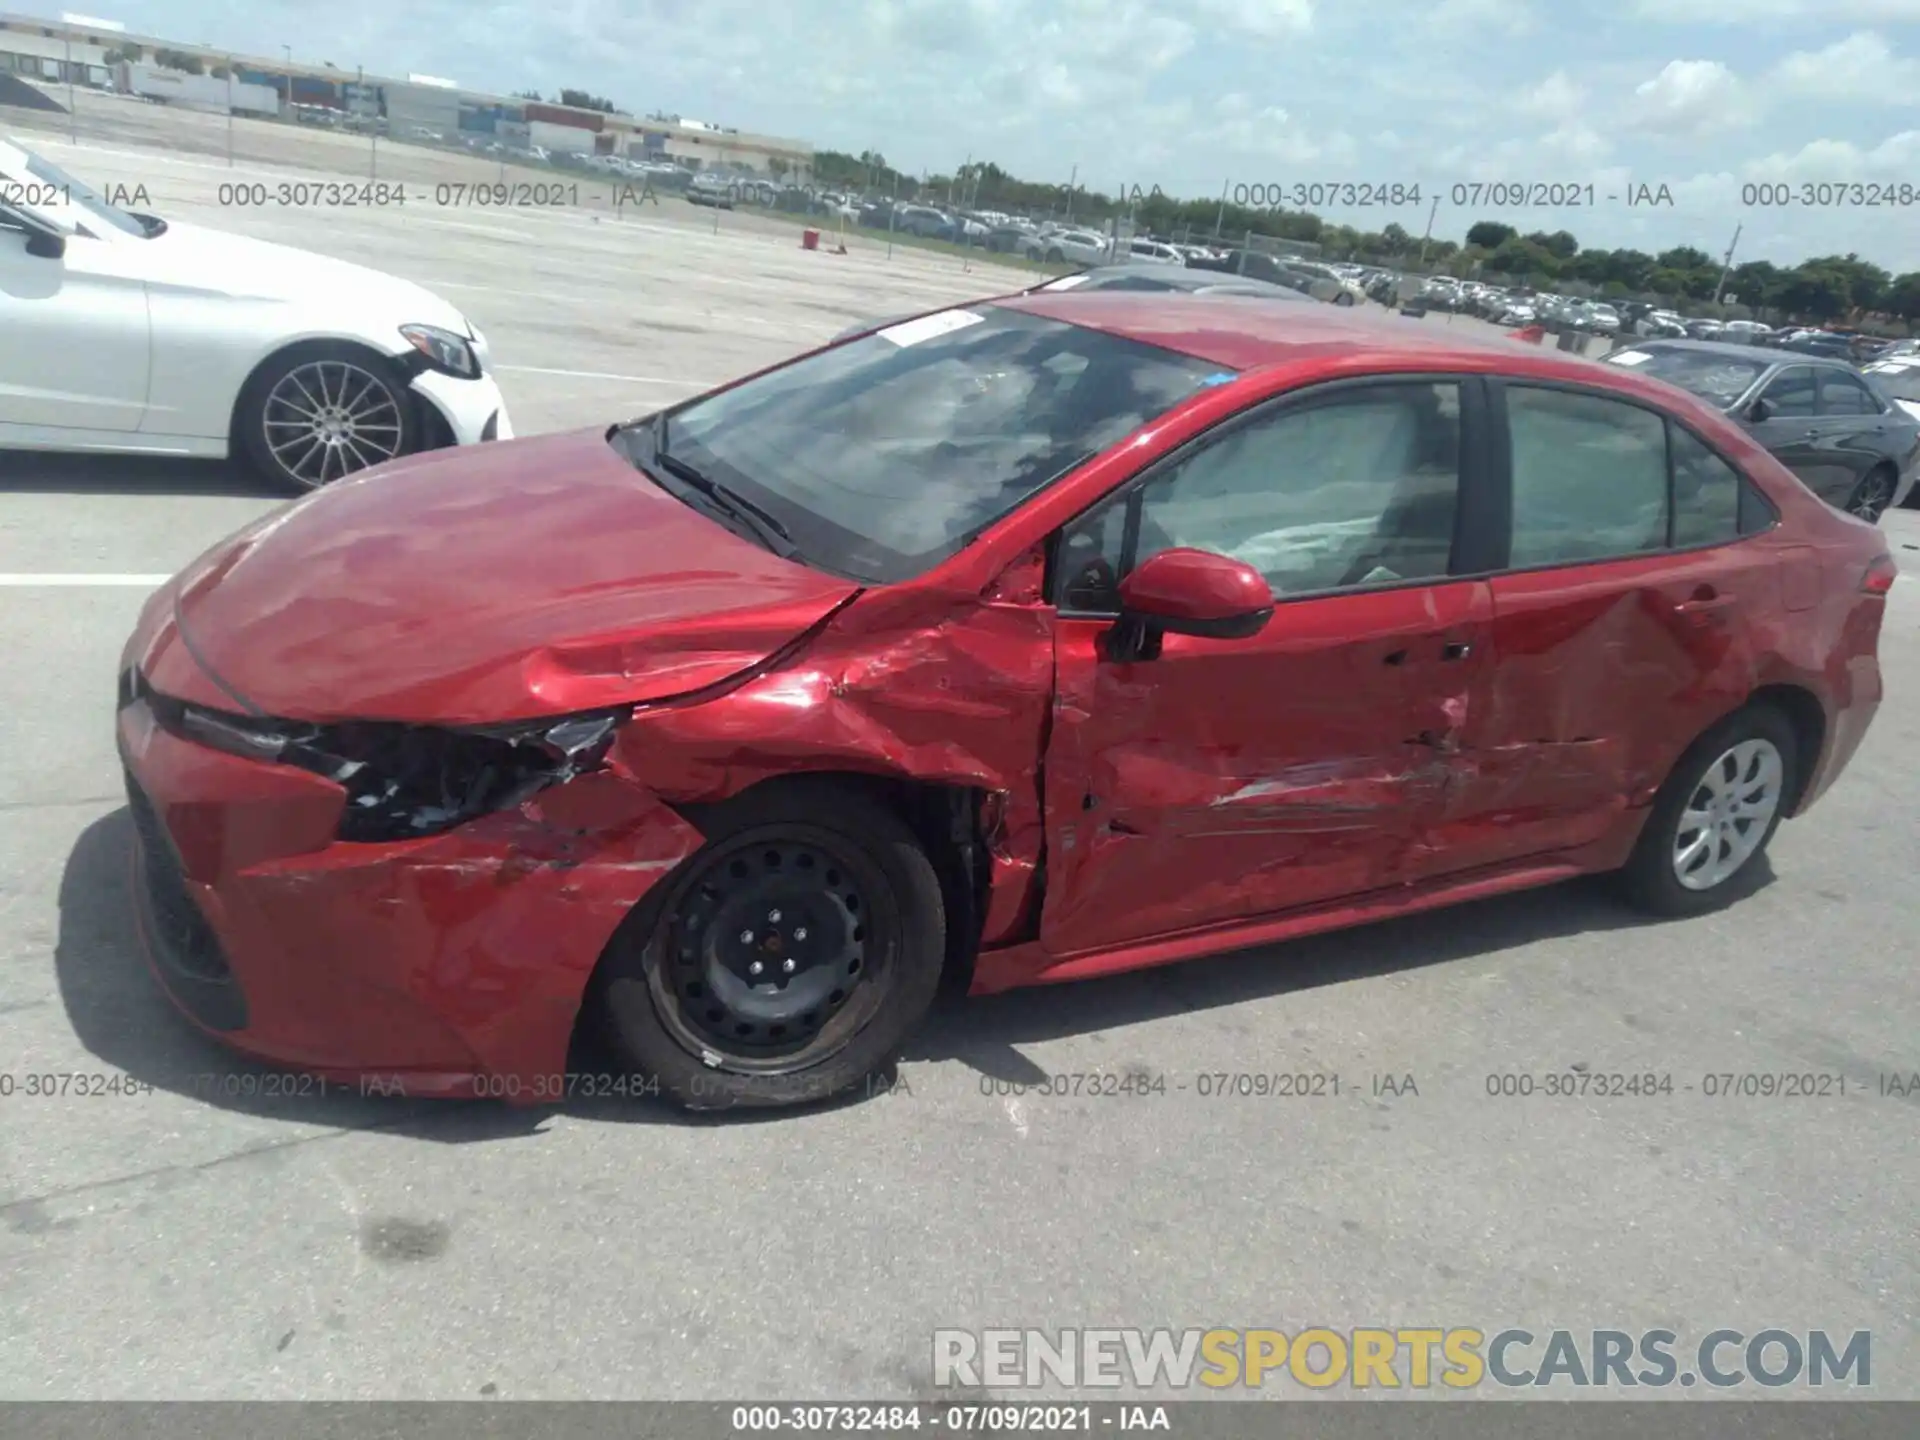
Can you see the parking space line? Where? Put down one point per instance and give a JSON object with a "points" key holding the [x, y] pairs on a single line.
{"points": [[149, 582], [604, 375]]}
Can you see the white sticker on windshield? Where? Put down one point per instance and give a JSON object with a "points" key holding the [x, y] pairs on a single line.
{"points": [[1628, 357], [927, 327]]}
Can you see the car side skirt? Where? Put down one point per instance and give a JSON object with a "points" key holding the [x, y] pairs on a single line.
{"points": [[1029, 964]]}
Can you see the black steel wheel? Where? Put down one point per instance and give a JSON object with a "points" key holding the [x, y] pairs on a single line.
{"points": [[787, 959], [766, 954]]}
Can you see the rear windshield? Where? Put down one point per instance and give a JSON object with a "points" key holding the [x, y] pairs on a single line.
{"points": [[884, 456], [1721, 379]]}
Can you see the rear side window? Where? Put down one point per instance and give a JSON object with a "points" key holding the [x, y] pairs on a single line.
{"points": [[1590, 482], [1589, 477], [1841, 394]]}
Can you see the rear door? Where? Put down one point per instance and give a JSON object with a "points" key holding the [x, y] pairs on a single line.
{"points": [[1225, 780], [1623, 613], [1854, 436]]}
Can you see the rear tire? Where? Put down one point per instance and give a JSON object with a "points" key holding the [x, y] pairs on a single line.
{"points": [[1715, 816], [1871, 497], [785, 961]]}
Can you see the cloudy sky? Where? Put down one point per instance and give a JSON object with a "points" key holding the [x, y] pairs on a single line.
{"points": [[1702, 96]]}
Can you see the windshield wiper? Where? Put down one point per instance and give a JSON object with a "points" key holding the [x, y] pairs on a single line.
{"points": [[774, 535]]}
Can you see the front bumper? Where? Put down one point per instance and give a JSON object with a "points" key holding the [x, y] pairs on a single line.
{"points": [[474, 410], [449, 966]]}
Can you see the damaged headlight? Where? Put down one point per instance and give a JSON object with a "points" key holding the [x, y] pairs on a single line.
{"points": [[406, 781]]}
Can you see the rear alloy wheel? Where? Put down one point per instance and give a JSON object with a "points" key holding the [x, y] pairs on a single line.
{"points": [[1343, 298], [787, 960], [1872, 495], [324, 412], [1716, 813]]}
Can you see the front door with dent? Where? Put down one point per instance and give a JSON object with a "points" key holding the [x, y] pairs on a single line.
{"points": [[1224, 780]]}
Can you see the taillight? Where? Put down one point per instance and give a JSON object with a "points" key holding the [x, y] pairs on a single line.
{"points": [[1880, 576]]}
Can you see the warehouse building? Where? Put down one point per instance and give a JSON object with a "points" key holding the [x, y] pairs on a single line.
{"points": [[47, 51]]}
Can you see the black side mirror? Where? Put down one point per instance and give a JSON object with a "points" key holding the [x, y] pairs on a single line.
{"points": [[46, 244], [1759, 410]]}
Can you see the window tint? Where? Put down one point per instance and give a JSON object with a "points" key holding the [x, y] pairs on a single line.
{"points": [[1357, 489], [1589, 477], [1841, 394], [1790, 392], [1706, 494]]}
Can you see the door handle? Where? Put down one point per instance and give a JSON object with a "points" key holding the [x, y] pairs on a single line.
{"points": [[1457, 650], [1703, 601]]}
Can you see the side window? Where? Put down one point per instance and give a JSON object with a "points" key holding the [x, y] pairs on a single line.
{"points": [[1358, 489], [1589, 477], [1706, 493], [1841, 394], [1790, 393]]}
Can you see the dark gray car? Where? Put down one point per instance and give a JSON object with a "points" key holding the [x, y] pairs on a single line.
{"points": [[1821, 419], [1137, 277]]}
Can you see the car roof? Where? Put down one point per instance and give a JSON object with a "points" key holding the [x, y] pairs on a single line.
{"points": [[1759, 354], [1216, 328], [1175, 278]]}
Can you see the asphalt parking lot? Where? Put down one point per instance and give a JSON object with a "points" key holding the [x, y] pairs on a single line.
{"points": [[201, 1242]]}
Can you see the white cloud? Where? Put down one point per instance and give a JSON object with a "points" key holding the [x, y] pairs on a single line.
{"points": [[1896, 159], [1689, 99], [1749, 12], [1862, 68], [1558, 97], [1511, 17], [1256, 19]]}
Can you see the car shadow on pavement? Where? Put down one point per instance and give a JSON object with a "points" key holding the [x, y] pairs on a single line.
{"points": [[120, 1016], [985, 1034], [71, 474]]}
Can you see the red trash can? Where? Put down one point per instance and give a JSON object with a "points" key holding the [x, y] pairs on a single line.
{"points": [[809, 239]]}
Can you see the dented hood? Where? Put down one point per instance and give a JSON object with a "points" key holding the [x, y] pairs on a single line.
{"points": [[499, 582]]}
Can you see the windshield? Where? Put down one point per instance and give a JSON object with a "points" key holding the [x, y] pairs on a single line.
{"points": [[1899, 382], [1721, 379], [884, 456], [51, 188]]}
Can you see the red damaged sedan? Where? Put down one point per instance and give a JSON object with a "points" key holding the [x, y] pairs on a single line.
{"points": [[1051, 637]]}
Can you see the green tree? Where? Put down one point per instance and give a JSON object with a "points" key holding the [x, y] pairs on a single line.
{"points": [[178, 60], [1489, 234], [1560, 243], [1903, 297]]}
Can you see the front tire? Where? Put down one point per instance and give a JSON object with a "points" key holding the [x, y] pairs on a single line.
{"points": [[1715, 815], [318, 413], [787, 960]]}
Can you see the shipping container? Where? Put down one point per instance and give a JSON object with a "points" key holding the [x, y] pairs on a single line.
{"points": [[590, 120]]}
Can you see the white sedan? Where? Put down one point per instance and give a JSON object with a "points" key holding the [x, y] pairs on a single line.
{"points": [[127, 334]]}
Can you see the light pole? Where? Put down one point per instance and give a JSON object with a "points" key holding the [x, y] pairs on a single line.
{"points": [[90, 22]]}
